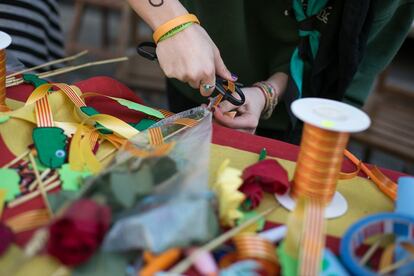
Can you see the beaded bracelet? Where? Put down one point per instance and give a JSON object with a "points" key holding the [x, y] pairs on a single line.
{"points": [[271, 97], [172, 25]]}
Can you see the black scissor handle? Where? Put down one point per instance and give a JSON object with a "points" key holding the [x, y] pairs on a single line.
{"points": [[148, 51], [227, 94]]}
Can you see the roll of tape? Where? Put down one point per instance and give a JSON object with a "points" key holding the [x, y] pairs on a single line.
{"points": [[401, 225]]}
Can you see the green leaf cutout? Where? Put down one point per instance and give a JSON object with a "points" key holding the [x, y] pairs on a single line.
{"points": [[71, 179], [4, 119], [139, 107], [50, 143], [10, 182]]}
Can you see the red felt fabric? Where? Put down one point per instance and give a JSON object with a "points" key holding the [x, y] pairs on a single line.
{"points": [[221, 135]]}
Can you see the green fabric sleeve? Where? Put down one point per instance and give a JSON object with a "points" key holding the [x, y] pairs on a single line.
{"points": [[391, 23]]}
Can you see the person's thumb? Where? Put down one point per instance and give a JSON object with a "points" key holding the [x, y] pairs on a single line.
{"points": [[221, 69]]}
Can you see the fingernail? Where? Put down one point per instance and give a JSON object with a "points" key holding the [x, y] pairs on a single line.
{"points": [[234, 76]]}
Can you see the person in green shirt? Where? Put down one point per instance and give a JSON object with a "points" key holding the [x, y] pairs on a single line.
{"points": [[256, 41]]}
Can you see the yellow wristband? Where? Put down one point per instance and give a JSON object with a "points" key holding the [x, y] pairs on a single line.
{"points": [[174, 23]]}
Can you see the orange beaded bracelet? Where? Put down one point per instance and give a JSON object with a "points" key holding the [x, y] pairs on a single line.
{"points": [[174, 23]]}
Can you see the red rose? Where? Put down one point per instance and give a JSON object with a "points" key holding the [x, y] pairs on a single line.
{"points": [[75, 236], [269, 175], [6, 238], [253, 192]]}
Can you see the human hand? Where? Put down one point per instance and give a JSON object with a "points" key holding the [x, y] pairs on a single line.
{"points": [[191, 56], [248, 114]]}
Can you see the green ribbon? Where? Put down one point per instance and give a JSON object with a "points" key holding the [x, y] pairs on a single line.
{"points": [[296, 63]]}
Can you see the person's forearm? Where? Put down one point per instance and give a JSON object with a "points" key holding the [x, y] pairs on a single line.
{"points": [[157, 12]]}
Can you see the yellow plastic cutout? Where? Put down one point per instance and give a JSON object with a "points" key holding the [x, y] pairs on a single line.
{"points": [[229, 197]]}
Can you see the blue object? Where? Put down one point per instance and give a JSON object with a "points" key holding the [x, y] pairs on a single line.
{"points": [[398, 224], [331, 265], [405, 196]]}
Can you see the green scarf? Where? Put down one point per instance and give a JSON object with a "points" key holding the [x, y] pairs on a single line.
{"points": [[296, 62]]}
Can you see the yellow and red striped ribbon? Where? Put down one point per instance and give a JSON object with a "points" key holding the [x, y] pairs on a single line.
{"points": [[44, 115], [186, 122], [313, 238], [69, 90], [155, 136]]}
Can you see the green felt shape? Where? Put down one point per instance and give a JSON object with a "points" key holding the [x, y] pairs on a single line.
{"points": [[105, 264], [10, 182], [57, 200], [39, 165], [4, 119], [34, 80], [50, 143], [88, 110], [144, 124], [161, 168], [288, 264], [127, 187], [71, 179], [251, 214], [141, 108]]}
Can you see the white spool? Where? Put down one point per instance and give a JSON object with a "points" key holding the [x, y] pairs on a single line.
{"points": [[334, 116], [5, 40]]}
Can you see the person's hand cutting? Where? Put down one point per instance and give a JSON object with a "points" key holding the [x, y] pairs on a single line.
{"points": [[189, 55], [248, 115], [192, 57]]}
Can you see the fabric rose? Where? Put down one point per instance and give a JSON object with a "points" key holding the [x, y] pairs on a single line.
{"points": [[76, 235], [6, 238], [253, 192], [266, 175]]}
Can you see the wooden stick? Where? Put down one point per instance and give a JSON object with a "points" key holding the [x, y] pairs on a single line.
{"points": [[186, 263], [396, 265], [17, 159], [370, 252], [68, 69], [78, 55], [42, 189], [85, 65], [33, 185], [32, 195]]}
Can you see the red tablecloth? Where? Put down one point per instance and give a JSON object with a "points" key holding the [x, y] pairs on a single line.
{"points": [[221, 136]]}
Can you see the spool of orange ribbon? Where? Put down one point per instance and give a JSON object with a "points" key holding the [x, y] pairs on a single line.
{"points": [[327, 127], [5, 41]]}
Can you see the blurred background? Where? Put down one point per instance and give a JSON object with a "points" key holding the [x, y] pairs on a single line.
{"points": [[111, 29]]}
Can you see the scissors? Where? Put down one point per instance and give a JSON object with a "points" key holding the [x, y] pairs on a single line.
{"points": [[147, 50]]}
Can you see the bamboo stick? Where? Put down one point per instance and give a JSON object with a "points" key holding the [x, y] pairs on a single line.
{"points": [[42, 189], [70, 58], [186, 263], [30, 196], [17, 159]]}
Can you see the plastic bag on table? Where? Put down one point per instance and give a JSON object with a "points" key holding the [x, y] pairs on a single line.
{"points": [[162, 202]]}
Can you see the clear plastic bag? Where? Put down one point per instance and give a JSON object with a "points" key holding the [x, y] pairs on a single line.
{"points": [[177, 209]]}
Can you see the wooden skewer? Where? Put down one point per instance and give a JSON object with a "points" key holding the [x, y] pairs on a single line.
{"points": [[33, 185], [396, 265], [186, 263], [370, 252], [17, 159], [78, 55], [77, 67], [67, 70], [42, 189], [32, 195]]}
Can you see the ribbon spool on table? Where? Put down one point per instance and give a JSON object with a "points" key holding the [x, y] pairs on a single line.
{"points": [[5, 41], [326, 131]]}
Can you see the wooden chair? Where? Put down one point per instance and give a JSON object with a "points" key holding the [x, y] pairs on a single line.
{"points": [[127, 27], [392, 113]]}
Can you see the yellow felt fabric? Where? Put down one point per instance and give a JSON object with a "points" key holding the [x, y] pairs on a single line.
{"points": [[362, 195]]}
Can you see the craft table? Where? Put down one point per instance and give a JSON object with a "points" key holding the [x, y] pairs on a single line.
{"points": [[242, 149]]}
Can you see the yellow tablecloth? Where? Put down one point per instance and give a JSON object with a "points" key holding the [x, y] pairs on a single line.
{"points": [[362, 195]]}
